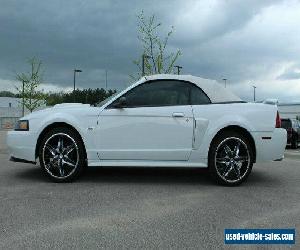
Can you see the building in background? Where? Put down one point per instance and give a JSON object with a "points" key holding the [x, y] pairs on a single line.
{"points": [[286, 110], [9, 102], [289, 110], [11, 111]]}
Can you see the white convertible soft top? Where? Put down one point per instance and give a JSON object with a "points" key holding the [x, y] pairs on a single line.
{"points": [[215, 91]]}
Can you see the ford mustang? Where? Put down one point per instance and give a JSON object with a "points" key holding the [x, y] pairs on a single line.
{"points": [[159, 121]]}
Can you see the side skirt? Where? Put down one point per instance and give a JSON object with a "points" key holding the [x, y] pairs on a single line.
{"points": [[170, 164], [14, 159]]}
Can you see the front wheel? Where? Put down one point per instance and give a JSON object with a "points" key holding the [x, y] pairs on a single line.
{"points": [[230, 158], [61, 154]]}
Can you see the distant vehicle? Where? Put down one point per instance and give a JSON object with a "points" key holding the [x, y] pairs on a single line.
{"points": [[292, 127], [271, 101], [159, 121]]}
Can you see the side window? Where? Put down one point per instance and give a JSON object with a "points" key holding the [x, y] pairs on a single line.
{"points": [[198, 97], [158, 93]]}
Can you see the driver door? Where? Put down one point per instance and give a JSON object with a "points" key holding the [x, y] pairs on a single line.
{"points": [[155, 124]]}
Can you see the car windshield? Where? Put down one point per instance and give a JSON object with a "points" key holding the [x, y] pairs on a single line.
{"points": [[99, 104]]}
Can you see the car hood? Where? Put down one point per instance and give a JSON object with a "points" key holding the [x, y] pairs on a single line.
{"points": [[63, 108], [71, 105]]}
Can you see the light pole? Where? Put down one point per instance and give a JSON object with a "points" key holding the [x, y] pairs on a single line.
{"points": [[225, 80], [178, 69], [23, 99], [254, 88], [106, 80], [144, 56], [75, 71]]}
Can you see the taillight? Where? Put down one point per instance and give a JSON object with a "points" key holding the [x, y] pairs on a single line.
{"points": [[278, 121]]}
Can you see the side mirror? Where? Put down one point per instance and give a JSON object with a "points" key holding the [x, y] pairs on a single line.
{"points": [[121, 103]]}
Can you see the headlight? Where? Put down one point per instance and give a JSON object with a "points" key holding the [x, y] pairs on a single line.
{"points": [[22, 125]]}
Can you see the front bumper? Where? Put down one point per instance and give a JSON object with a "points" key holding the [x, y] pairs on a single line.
{"points": [[270, 146], [21, 145]]}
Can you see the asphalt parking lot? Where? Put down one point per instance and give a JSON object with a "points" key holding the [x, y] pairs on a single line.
{"points": [[142, 208]]}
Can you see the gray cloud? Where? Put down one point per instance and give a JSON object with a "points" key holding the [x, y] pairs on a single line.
{"points": [[291, 73], [202, 21], [241, 40]]}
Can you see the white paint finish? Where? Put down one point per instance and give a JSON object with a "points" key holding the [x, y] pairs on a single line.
{"points": [[270, 149], [250, 116], [128, 163], [71, 105], [145, 133], [79, 118], [21, 144], [82, 119], [153, 136], [200, 127]]}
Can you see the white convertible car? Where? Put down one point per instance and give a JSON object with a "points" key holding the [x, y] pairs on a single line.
{"points": [[160, 121]]}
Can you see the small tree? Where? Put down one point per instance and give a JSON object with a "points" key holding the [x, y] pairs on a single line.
{"points": [[32, 98], [155, 59]]}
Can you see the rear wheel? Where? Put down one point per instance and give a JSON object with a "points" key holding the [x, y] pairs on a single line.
{"points": [[230, 158], [61, 155]]}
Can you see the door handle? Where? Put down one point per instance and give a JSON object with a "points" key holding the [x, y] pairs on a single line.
{"points": [[178, 114]]}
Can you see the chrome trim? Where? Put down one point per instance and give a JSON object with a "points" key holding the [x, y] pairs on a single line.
{"points": [[60, 156], [230, 160]]}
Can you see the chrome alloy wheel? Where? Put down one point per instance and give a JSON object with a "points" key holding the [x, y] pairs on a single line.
{"points": [[60, 155], [232, 159]]}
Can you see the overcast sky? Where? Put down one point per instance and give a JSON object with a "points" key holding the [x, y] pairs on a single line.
{"points": [[249, 42]]}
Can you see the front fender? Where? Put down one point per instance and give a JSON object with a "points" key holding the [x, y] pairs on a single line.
{"points": [[83, 124], [61, 118]]}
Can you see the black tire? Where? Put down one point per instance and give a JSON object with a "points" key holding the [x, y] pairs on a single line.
{"points": [[227, 165], [65, 161], [294, 143]]}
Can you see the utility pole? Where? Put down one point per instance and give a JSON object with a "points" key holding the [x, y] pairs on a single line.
{"points": [[254, 97], [144, 56], [225, 80], [106, 80], [75, 71], [178, 69], [23, 99]]}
